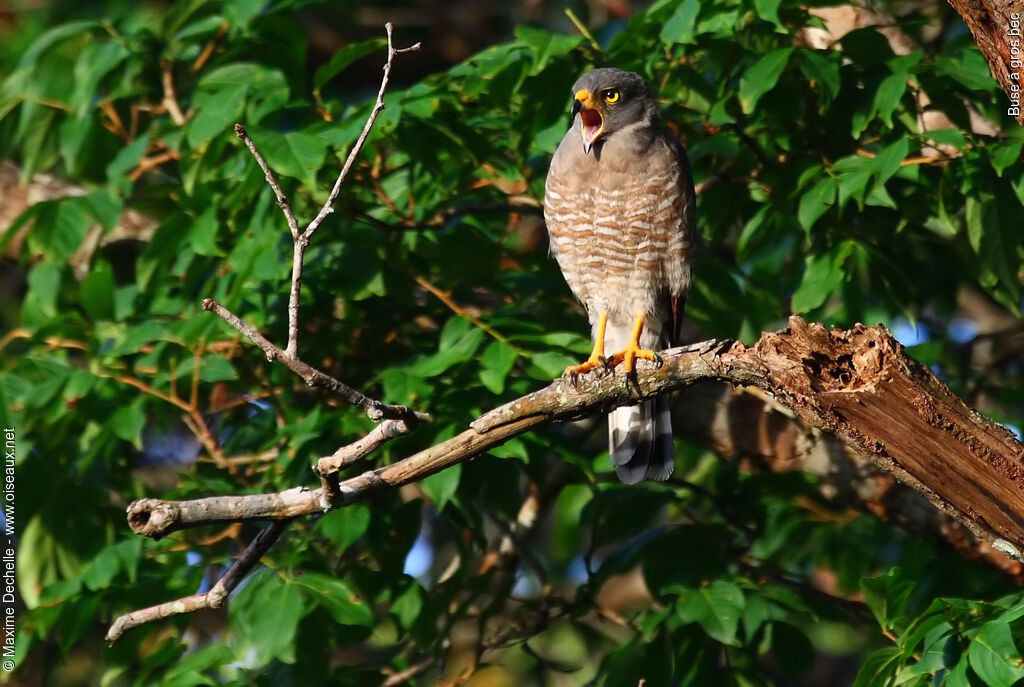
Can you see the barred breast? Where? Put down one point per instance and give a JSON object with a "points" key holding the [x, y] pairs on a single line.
{"points": [[620, 227]]}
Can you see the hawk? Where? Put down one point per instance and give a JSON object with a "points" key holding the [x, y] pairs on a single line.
{"points": [[620, 209]]}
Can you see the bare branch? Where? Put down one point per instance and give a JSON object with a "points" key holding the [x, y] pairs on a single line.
{"points": [[346, 455], [211, 599], [378, 107], [268, 174], [857, 384], [156, 518], [375, 410], [302, 241], [170, 100]]}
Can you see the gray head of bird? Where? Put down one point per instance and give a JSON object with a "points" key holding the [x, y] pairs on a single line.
{"points": [[608, 100]]}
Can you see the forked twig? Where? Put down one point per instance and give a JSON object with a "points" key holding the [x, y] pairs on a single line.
{"points": [[212, 599], [374, 409]]}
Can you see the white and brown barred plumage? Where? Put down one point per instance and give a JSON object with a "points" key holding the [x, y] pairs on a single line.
{"points": [[621, 214]]}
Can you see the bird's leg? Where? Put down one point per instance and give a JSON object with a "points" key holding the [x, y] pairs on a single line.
{"points": [[629, 355], [596, 358]]}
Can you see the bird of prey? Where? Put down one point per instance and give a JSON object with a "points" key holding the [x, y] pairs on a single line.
{"points": [[620, 209]]}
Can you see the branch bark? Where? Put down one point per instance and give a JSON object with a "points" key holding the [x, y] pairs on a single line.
{"points": [[997, 29], [212, 599], [857, 384], [289, 355], [750, 426]]}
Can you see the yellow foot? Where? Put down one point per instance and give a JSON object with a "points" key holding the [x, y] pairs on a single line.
{"points": [[630, 355], [596, 358], [591, 363]]}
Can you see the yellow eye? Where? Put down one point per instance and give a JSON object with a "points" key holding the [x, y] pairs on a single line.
{"points": [[611, 95]]}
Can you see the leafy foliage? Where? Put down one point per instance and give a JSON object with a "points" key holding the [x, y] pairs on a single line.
{"points": [[431, 286]]}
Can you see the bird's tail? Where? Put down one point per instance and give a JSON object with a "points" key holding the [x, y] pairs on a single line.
{"points": [[640, 440]]}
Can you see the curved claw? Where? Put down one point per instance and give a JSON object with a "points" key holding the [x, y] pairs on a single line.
{"points": [[573, 372]]}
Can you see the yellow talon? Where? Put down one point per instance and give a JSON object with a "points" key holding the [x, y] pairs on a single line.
{"points": [[596, 358], [632, 352]]}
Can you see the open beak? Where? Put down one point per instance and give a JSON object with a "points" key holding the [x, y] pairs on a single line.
{"points": [[591, 120]]}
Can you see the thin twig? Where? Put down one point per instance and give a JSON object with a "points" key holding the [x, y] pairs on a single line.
{"points": [[211, 599], [350, 160], [374, 409], [302, 241], [268, 174], [582, 28], [210, 47], [347, 455], [559, 401], [328, 467], [401, 677], [148, 163], [170, 101], [459, 310]]}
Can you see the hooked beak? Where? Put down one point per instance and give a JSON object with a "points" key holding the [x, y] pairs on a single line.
{"points": [[591, 120]]}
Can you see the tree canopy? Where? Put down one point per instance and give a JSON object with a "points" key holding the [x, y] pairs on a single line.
{"points": [[854, 163]]}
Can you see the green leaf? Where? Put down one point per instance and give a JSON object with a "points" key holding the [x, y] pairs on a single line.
{"points": [[821, 67], [41, 45], [769, 11], [441, 486], [337, 597], [548, 365], [189, 671], [887, 597], [967, 66], [344, 57], [293, 154], [680, 26], [125, 161], [264, 617], [1005, 153], [216, 113], [716, 607], [41, 300], [761, 77], [202, 236], [451, 352], [102, 569], [853, 175], [994, 656], [879, 669], [240, 13], [986, 237], [105, 207], [545, 45], [815, 202], [96, 292], [888, 96], [61, 227], [889, 160], [94, 62], [345, 526], [495, 363], [406, 608], [127, 422], [823, 274]]}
